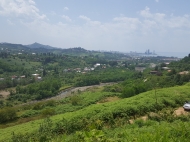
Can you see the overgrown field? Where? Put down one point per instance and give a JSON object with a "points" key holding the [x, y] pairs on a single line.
{"points": [[107, 113]]}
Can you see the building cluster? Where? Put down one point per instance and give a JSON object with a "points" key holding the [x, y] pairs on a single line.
{"points": [[86, 69]]}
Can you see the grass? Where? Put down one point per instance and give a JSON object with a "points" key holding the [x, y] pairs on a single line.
{"points": [[134, 106], [140, 131], [64, 87]]}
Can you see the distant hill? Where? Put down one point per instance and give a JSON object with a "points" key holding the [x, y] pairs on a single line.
{"points": [[40, 48], [38, 45], [13, 48]]}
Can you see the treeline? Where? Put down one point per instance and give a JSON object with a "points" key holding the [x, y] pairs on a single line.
{"points": [[182, 65], [38, 90], [107, 75], [4, 67]]}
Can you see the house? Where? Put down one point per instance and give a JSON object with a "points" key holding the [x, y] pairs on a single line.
{"points": [[65, 70], [152, 65], [86, 69], [140, 69], [96, 65], [14, 77], [153, 72], [23, 76], [1, 79], [167, 63], [183, 72], [165, 68], [104, 67], [156, 73], [39, 78], [35, 75], [78, 70]]}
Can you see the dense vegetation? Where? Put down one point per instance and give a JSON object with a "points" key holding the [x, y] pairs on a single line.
{"points": [[34, 76], [108, 115]]}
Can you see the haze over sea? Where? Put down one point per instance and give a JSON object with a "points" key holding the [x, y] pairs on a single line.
{"points": [[173, 54]]}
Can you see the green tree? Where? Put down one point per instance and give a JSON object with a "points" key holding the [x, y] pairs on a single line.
{"points": [[7, 114], [128, 92]]}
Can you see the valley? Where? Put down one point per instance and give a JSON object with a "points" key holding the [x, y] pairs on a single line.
{"points": [[80, 95]]}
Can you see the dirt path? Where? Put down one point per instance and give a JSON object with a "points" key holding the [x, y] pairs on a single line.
{"points": [[4, 94], [70, 92]]}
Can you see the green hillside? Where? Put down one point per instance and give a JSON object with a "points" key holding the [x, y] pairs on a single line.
{"points": [[54, 94], [127, 109]]}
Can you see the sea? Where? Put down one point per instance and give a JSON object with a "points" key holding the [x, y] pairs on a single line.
{"points": [[173, 54]]}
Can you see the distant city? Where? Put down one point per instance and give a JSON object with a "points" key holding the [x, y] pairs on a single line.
{"points": [[147, 52]]}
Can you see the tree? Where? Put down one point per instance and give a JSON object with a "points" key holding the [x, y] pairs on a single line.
{"points": [[7, 114], [44, 72], [128, 92]]}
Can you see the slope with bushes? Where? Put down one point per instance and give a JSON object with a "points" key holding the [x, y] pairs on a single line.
{"points": [[107, 113]]}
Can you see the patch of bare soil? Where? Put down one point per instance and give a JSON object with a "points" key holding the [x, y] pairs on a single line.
{"points": [[144, 118], [108, 99], [181, 111], [4, 94]]}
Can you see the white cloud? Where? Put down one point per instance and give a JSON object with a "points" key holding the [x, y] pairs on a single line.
{"points": [[164, 21], [10, 22], [157, 0], [84, 18], [66, 8], [146, 13], [32, 2], [66, 18], [20, 8], [122, 32], [150, 30]]}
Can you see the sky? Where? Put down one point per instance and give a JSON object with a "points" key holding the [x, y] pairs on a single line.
{"points": [[111, 25]]}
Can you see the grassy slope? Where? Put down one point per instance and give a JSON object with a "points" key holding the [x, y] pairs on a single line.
{"points": [[139, 104]]}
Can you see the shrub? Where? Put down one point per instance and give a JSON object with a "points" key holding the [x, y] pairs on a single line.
{"points": [[38, 106], [29, 113], [50, 103], [48, 112], [128, 92], [7, 114], [75, 100]]}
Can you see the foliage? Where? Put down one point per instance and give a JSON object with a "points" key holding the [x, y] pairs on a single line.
{"points": [[109, 113], [39, 90], [75, 100], [7, 114]]}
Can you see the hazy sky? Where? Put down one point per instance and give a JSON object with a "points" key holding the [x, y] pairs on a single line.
{"points": [[112, 25]]}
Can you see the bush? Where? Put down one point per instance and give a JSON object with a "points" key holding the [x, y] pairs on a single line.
{"points": [[48, 112], [75, 100], [7, 114], [128, 92], [50, 103], [29, 113], [38, 106]]}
